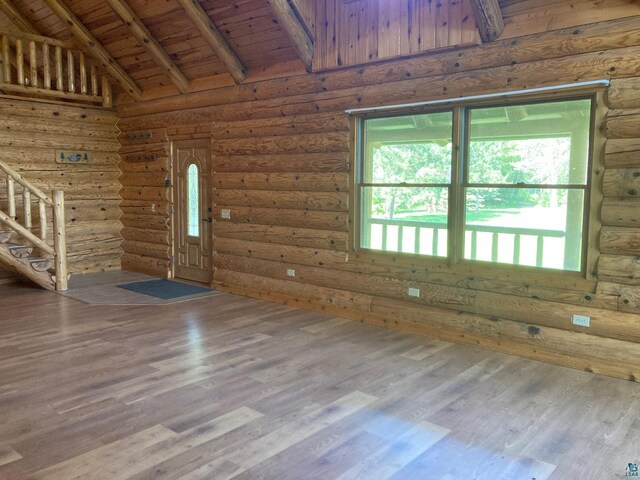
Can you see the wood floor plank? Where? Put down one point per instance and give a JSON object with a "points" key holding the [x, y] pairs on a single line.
{"points": [[230, 387]]}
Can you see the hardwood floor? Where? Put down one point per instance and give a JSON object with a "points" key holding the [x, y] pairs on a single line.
{"points": [[231, 387]]}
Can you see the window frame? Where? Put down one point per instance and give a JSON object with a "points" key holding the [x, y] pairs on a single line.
{"points": [[456, 221]]}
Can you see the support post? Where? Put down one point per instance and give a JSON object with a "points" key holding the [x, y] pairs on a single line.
{"points": [[59, 240]]}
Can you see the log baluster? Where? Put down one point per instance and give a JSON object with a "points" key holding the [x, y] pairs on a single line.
{"points": [[71, 73], [58, 61], [20, 61], [11, 198], [33, 64], [46, 66], [26, 208], [94, 81], [83, 74], [6, 59], [42, 208]]}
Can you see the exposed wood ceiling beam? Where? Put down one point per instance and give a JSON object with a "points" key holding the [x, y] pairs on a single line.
{"points": [[489, 19], [92, 45], [294, 29], [142, 34], [17, 18], [214, 38]]}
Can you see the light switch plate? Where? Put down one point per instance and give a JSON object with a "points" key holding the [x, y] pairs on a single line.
{"points": [[225, 213], [581, 320]]}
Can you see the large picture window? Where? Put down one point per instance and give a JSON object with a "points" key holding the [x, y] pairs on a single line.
{"points": [[504, 184]]}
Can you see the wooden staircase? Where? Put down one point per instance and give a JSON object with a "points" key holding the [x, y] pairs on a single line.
{"points": [[48, 265]]}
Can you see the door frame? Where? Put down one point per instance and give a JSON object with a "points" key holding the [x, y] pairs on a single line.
{"points": [[172, 176]]}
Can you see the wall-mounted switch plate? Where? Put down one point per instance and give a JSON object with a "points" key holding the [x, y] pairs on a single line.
{"points": [[413, 292], [225, 213], [581, 320], [291, 272]]}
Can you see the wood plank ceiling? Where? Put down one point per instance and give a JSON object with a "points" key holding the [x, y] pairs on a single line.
{"points": [[248, 26], [259, 38]]}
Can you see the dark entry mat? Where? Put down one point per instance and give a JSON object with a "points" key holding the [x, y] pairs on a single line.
{"points": [[164, 289]]}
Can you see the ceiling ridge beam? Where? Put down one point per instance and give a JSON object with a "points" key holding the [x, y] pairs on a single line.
{"points": [[92, 45], [295, 30], [214, 38], [488, 18], [142, 34], [19, 20]]}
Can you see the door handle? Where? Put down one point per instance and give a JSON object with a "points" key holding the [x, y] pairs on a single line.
{"points": [[210, 220]]}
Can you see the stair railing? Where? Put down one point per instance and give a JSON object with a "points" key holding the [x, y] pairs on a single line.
{"points": [[29, 191], [46, 67]]}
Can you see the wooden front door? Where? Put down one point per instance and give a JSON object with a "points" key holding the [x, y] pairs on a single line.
{"points": [[193, 235]]}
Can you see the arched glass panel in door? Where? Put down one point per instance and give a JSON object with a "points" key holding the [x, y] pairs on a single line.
{"points": [[193, 201]]}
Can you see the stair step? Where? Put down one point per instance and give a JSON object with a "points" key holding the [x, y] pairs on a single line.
{"points": [[5, 236], [20, 251], [41, 264]]}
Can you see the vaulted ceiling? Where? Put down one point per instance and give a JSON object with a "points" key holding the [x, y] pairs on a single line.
{"points": [[163, 44]]}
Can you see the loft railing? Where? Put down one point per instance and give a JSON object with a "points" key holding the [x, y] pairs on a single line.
{"points": [[31, 194], [419, 229], [45, 67]]}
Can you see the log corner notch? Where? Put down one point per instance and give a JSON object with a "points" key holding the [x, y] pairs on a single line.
{"points": [[214, 38], [489, 19], [142, 34], [292, 25], [95, 48]]}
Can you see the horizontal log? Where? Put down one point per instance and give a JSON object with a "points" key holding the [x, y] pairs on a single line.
{"points": [[152, 222], [621, 212], [621, 153], [303, 143], [146, 179], [335, 221], [298, 255], [145, 248], [34, 158], [329, 201], [623, 93], [310, 182], [543, 344], [302, 237], [145, 235], [620, 240], [591, 66], [142, 136], [143, 264], [604, 323], [624, 269], [96, 263], [53, 126], [161, 164], [189, 131], [56, 141], [143, 207], [308, 162], [301, 124], [128, 152], [540, 286], [53, 113], [623, 123], [157, 194], [621, 182]]}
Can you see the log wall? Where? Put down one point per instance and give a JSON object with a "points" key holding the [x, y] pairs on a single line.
{"points": [[30, 133], [282, 167]]}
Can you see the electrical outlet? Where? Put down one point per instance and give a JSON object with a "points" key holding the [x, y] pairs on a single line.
{"points": [[413, 292], [225, 213], [581, 320], [291, 272], [153, 208]]}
